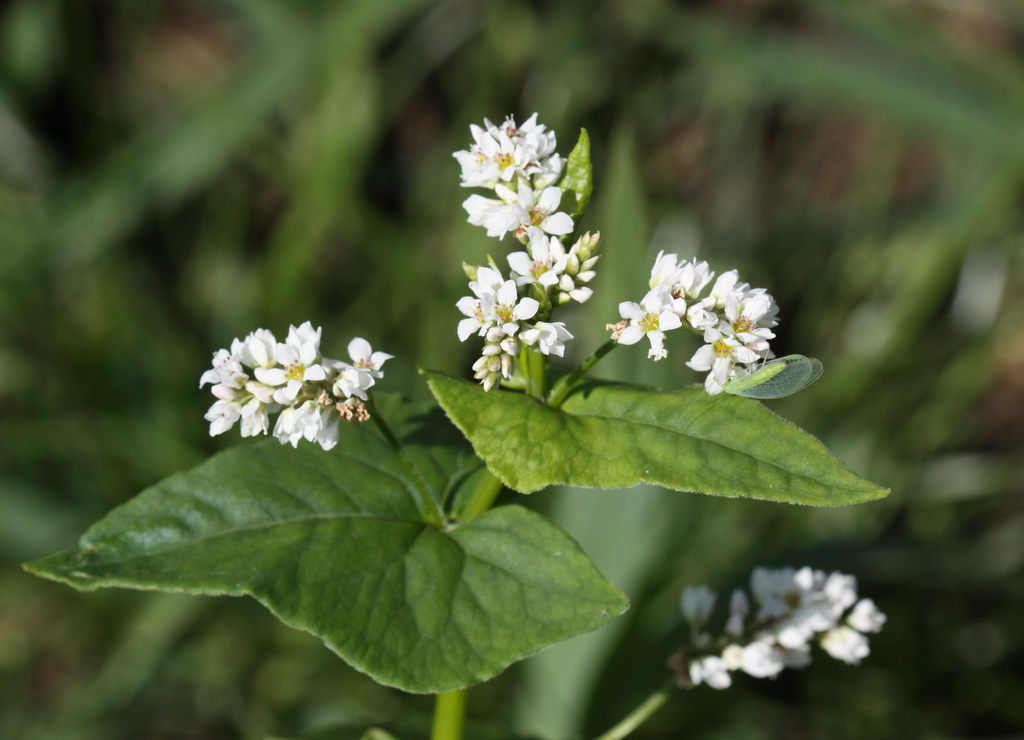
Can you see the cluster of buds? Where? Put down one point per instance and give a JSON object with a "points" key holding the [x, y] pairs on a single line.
{"points": [[259, 376], [793, 609], [520, 164], [734, 319]]}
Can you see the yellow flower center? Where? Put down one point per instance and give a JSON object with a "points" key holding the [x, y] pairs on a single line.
{"points": [[722, 349], [649, 322]]}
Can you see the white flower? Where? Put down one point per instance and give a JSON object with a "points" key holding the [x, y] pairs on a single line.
{"points": [[297, 422], [254, 418], [544, 263], [507, 312], [653, 317], [222, 416], [497, 216], [866, 617], [733, 657], [550, 336], [227, 370], [719, 356], [762, 660], [750, 315], [711, 670], [529, 133], [327, 434], [542, 211], [846, 644], [351, 381], [665, 272], [259, 348], [696, 603], [365, 358], [692, 279], [726, 286], [298, 355], [493, 158]]}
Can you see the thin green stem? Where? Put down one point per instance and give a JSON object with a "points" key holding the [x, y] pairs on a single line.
{"points": [[482, 498], [449, 715], [429, 507], [641, 714], [568, 384]]}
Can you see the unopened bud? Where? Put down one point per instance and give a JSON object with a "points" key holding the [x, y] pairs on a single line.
{"points": [[562, 298], [573, 265], [510, 345], [589, 264], [495, 334], [566, 283], [481, 373], [490, 381], [506, 366], [585, 277], [491, 349], [480, 364], [470, 270], [494, 363], [586, 245]]}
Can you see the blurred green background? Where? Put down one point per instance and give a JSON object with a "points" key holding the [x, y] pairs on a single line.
{"points": [[175, 173]]}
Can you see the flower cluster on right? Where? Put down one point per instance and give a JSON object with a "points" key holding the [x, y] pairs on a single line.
{"points": [[734, 319], [791, 608]]}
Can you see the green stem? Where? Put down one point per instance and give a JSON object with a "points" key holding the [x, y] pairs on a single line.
{"points": [[535, 365], [449, 715], [482, 498], [429, 507], [568, 384], [641, 714]]}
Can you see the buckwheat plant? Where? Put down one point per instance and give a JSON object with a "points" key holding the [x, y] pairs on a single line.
{"points": [[382, 538]]}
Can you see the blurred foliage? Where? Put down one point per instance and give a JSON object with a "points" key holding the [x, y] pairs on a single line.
{"points": [[173, 174]]}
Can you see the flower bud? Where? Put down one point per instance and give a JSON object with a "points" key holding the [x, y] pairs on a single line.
{"points": [[495, 334], [506, 366], [510, 345], [585, 277], [589, 264], [480, 364], [490, 381], [494, 363], [470, 270], [491, 349], [566, 283], [573, 265]]}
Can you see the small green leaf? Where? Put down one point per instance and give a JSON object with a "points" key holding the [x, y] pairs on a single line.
{"points": [[579, 175], [613, 436], [333, 543]]}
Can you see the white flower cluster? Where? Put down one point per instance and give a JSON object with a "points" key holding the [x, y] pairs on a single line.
{"points": [[734, 319], [793, 608], [520, 164], [259, 376]]}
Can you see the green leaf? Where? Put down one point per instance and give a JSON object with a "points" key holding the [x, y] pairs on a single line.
{"points": [[333, 543], [579, 175], [613, 436]]}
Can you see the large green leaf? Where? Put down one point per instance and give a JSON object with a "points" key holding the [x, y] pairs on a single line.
{"points": [[333, 543], [612, 436]]}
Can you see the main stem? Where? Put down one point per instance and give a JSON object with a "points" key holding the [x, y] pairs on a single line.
{"points": [[641, 714], [449, 715]]}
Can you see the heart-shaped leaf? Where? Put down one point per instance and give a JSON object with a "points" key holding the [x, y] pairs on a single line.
{"points": [[333, 543], [612, 436]]}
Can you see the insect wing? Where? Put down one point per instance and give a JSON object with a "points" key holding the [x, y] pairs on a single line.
{"points": [[798, 373]]}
